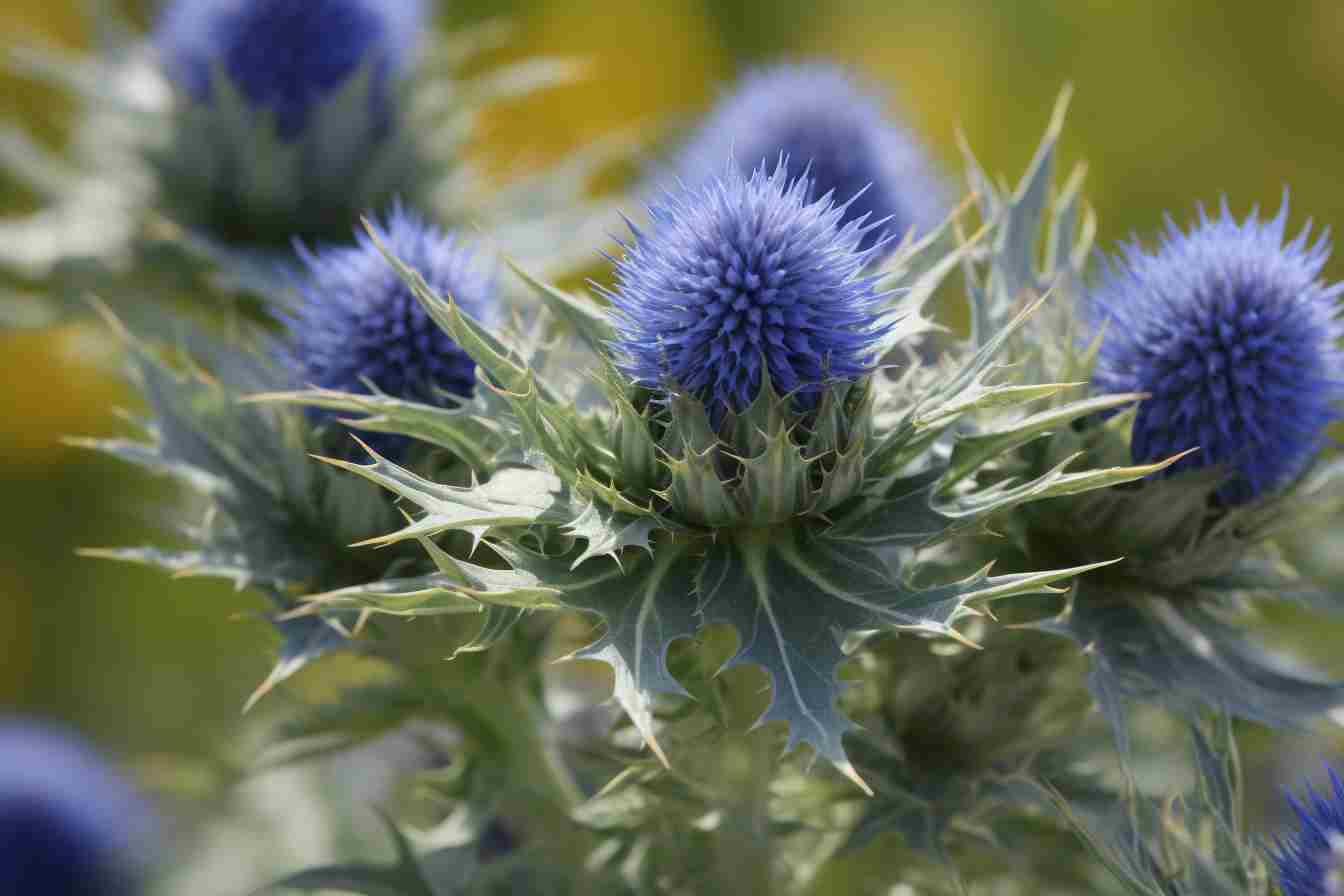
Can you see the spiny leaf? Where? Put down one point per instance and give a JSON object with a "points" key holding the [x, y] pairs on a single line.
{"points": [[470, 435], [971, 452], [608, 533], [584, 317], [514, 496]]}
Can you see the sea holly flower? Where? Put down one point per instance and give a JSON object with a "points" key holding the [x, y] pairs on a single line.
{"points": [[285, 57], [359, 328], [69, 824], [672, 505], [203, 150], [1233, 335], [825, 123], [1310, 862], [1227, 334], [743, 280], [289, 121]]}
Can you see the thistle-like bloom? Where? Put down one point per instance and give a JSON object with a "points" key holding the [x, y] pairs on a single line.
{"points": [[1311, 862], [824, 123], [1233, 334], [69, 826], [359, 324], [744, 275], [283, 56]]}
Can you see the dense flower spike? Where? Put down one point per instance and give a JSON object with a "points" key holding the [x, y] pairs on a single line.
{"points": [[1311, 863], [359, 324], [742, 276], [1232, 333], [285, 55], [824, 123], [68, 824]]}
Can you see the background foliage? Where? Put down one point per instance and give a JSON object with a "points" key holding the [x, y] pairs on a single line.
{"points": [[1174, 102]]}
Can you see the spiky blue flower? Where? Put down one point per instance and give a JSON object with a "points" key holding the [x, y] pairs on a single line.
{"points": [[285, 55], [1311, 861], [1233, 334], [821, 119], [358, 324], [69, 826], [743, 275]]}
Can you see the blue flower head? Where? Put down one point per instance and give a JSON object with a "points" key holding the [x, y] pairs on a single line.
{"points": [[824, 123], [1232, 333], [283, 56], [741, 275], [358, 324], [69, 826], [1311, 862]]}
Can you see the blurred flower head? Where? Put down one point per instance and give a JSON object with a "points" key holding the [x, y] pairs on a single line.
{"points": [[358, 324], [1311, 862], [283, 56], [1232, 333], [69, 826], [823, 122], [745, 275]]}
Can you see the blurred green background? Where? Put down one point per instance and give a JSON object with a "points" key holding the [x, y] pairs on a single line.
{"points": [[1175, 103]]}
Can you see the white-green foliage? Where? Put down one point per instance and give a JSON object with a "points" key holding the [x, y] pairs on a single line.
{"points": [[857, 536]]}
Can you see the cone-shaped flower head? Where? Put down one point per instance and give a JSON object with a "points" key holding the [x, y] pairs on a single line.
{"points": [[1232, 333], [285, 55], [359, 324], [743, 275], [823, 122], [69, 826], [1311, 861]]}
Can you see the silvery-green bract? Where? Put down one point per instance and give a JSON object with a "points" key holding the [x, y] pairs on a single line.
{"points": [[254, 509], [795, 526], [1189, 843], [1167, 623]]}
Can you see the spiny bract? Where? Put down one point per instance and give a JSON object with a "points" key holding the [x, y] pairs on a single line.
{"points": [[1311, 863], [744, 275], [824, 123], [1232, 333], [358, 323], [68, 824], [285, 55]]}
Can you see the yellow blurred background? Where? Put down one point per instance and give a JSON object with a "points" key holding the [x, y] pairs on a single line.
{"points": [[1175, 103]]}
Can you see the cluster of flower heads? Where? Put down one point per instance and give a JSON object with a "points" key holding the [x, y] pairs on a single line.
{"points": [[358, 325], [1232, 334], [1311, 863], [742, 278], [284, 56], [824, 124], [69, 825]]}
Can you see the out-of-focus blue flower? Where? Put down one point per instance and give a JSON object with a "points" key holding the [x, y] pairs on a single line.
{"points": [[285, 55], [742, 275], [1311, 862], [1233, 334], [823, 122], [69, 826], [359, 324]]}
